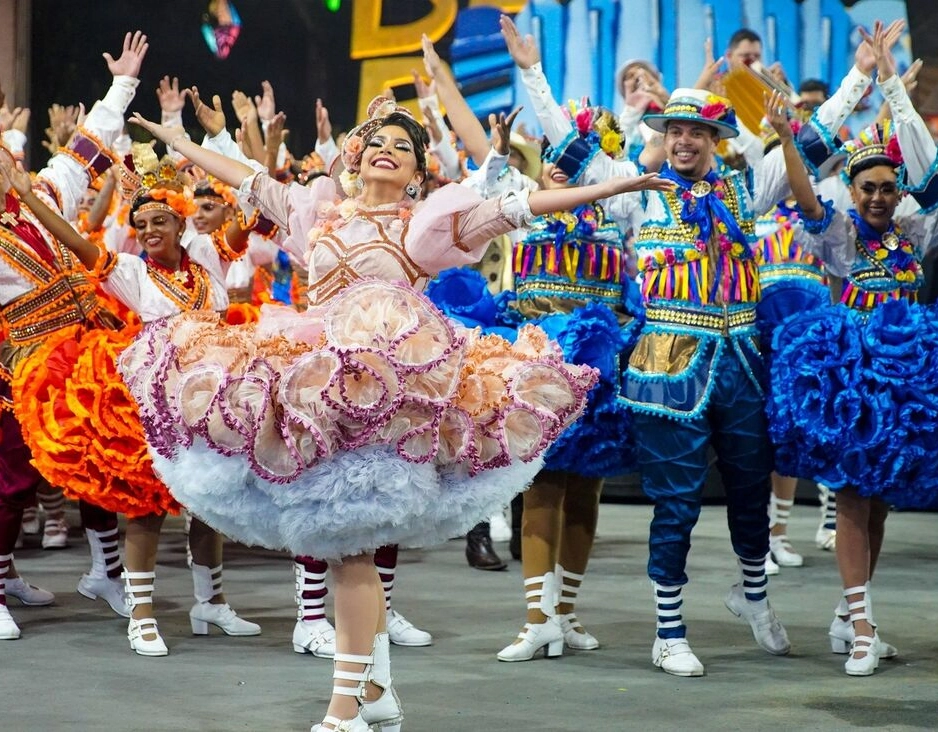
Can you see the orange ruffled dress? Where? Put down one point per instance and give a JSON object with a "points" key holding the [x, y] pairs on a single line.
{"points": [[368, 419]]}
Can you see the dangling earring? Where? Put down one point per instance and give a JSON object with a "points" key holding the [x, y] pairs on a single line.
{"points": [[411, 189]]}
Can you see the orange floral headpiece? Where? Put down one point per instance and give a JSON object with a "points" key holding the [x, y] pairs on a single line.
{"points": [[211, 186]]}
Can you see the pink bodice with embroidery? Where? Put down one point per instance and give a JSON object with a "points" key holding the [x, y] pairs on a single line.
{"points": [[345, 242]]}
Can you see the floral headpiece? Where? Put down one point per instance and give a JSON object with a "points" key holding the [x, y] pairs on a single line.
{"points": [[875, 145], [598, 125], [595, 129], [211, 186], [149, 183], [697, 105], [354, 145]]}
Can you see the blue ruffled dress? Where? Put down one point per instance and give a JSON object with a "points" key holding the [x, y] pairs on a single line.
{"points": [[854, 398]]}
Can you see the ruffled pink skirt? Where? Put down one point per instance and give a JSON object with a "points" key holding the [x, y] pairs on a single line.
{"points": [[371, 420]]}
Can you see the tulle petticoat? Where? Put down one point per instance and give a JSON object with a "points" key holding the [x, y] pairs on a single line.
{"points": [[854, 400], [370, 420]]}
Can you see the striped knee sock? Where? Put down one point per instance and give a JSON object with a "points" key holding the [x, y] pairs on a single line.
{"points": [[386, 564], [754, 579], [668, 603], [5, 561], [829, 507], [310, 588]]}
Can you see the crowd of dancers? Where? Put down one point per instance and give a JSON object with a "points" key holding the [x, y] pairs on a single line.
{"points": [[381, 342]]}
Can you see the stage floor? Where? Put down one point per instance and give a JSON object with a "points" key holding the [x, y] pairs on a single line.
{"points": [[73, 668]]}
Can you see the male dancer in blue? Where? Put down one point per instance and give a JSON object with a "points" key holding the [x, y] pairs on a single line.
{"points": [[694, 378]]}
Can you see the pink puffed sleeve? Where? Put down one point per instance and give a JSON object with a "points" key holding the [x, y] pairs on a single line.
{"points": [[294, 208], [454, 225]]}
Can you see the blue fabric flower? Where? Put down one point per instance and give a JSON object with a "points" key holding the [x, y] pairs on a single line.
{"points": [[462, 294]]}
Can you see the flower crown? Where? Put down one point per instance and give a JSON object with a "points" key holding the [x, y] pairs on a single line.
{"points": [[596, 125], [354, 145], [874, 143], [144, 176], [217, 188]]}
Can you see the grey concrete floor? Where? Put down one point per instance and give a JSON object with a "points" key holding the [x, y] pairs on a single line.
{"points": [[73, 669]]}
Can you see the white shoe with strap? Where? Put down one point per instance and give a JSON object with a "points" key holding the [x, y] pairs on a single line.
{"points": [[865, 649], [385, 712], [402, 632], [9, 630], [767, 630], [142, 594], [534, 636], [55, 533], [674, 656], [356, 723], [574, 634], [111, 590], [207, 584], [28, 594], [314, 636]]}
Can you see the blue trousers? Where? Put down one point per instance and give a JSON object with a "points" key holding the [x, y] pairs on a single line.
{"points": [[673, 459]]}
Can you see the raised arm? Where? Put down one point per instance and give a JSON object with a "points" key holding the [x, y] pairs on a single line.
{"points": [[20, 181], [834, 112], [464, 121], [919, 152], [225, 169], [801, 188], [526, 56], [564, 199], [86, 155]]}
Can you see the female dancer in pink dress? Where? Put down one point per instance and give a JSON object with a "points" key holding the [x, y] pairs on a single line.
{"points": [[370, 418]]}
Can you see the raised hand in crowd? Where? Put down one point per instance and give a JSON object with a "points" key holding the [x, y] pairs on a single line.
{"points": [[211, 118], [171, 99], [501, 130], [265, 103], [131, 58], [523, 49], [323, 125]]}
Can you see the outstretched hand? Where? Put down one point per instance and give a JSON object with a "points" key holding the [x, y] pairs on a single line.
{"points": [[243, 106], [711, 68], [910, 77], [131, 58], [865, 56], [265, 103], [522, 49], [501, 130], [431, 59], [10, 117], [880, 43], [164, 134], [211, 118], [646, 182], [276, 133]]}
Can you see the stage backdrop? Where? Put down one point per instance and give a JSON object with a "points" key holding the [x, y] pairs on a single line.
{"points": [[346, 51]]}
